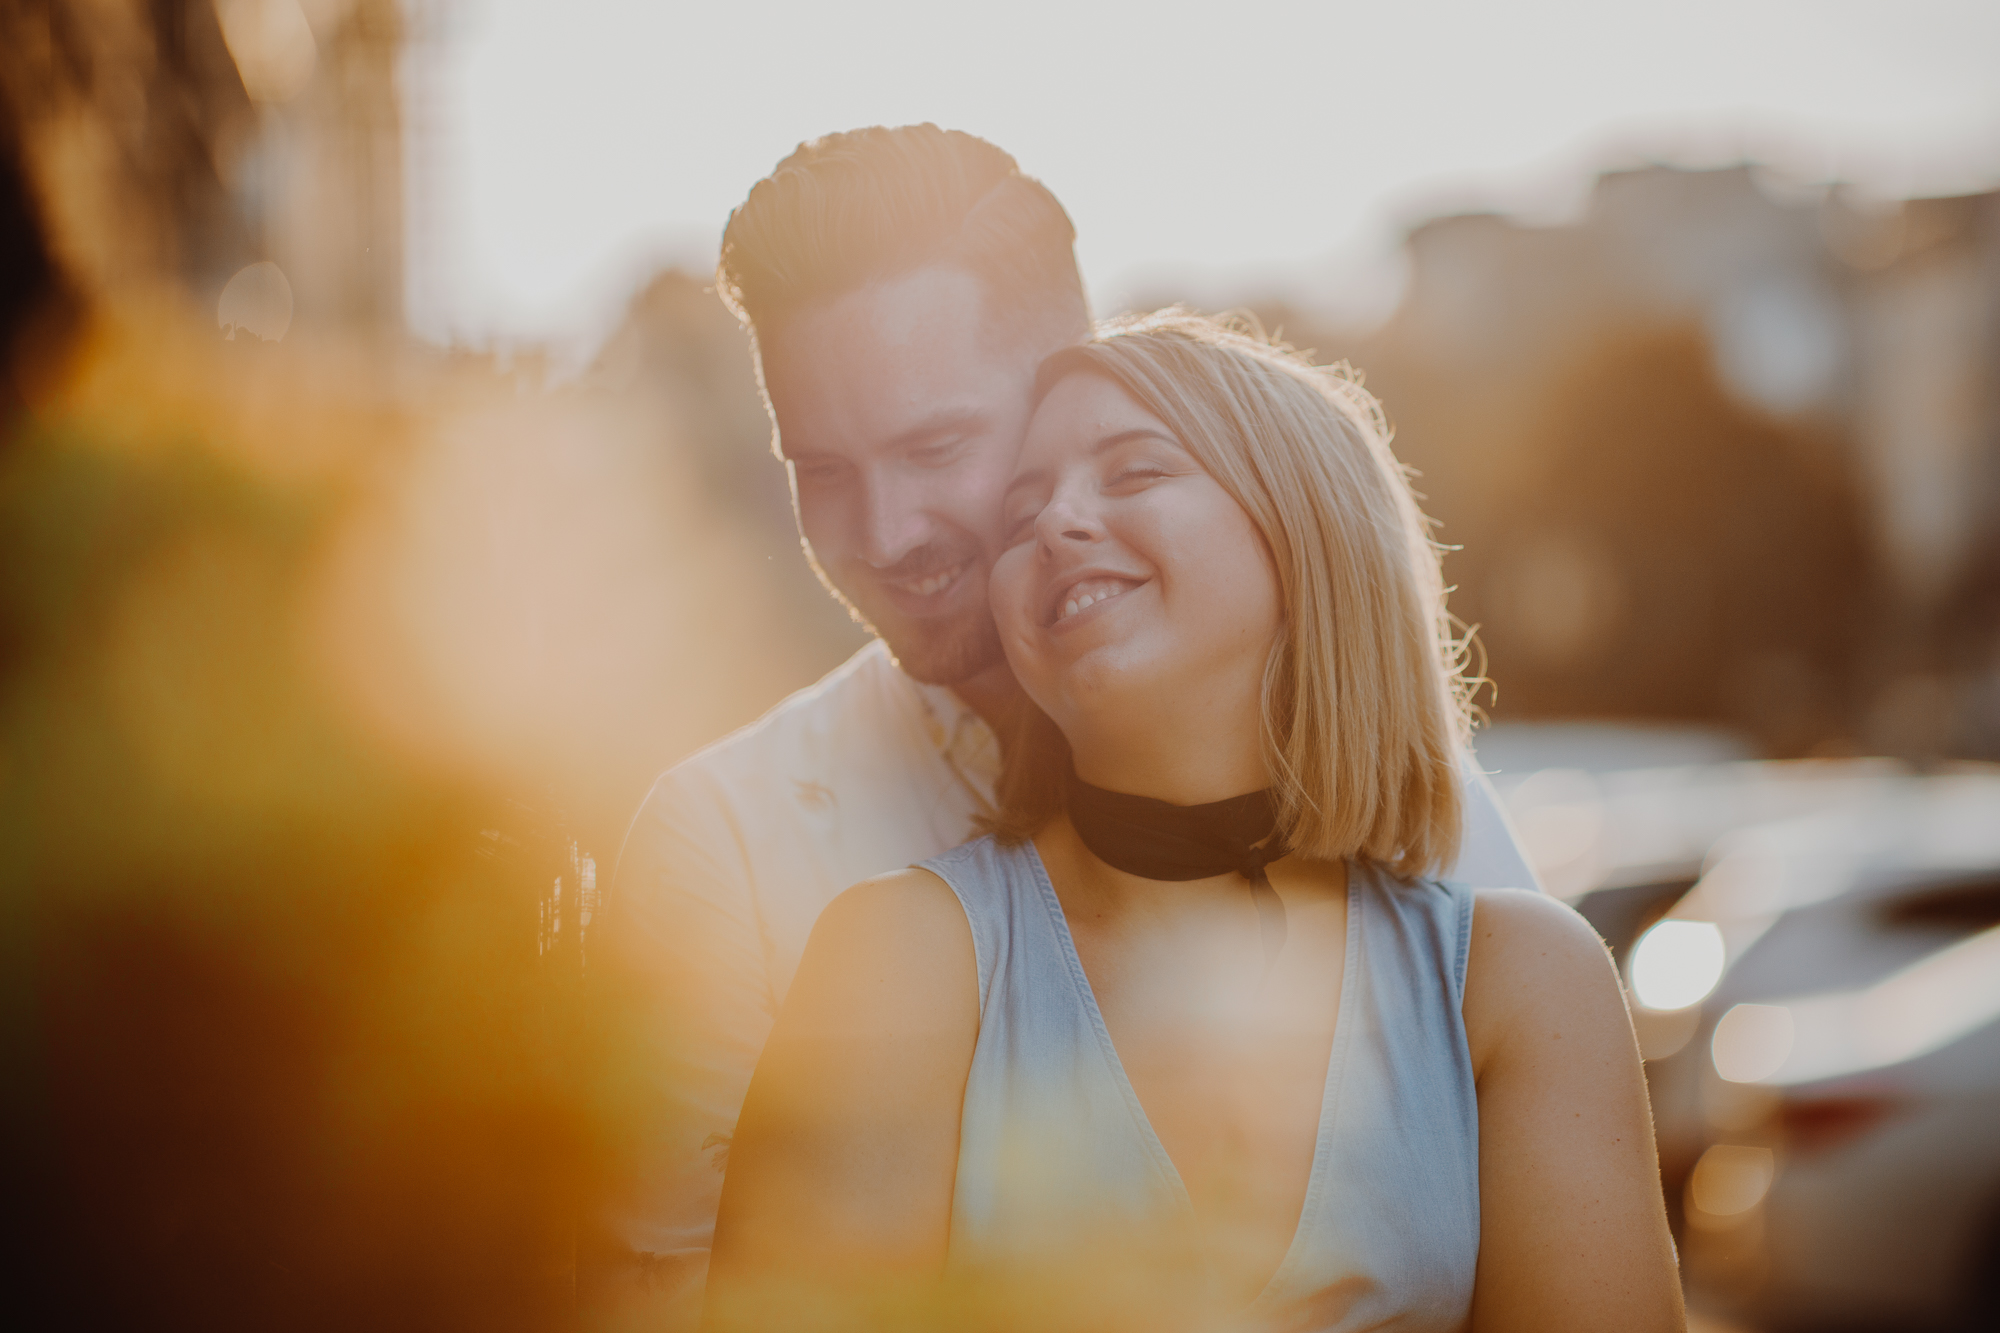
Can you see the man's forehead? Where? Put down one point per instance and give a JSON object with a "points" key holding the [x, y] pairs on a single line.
{"points": [[876, 363]]}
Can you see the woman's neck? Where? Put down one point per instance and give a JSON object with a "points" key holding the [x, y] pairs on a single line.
{"points": [[1191, 764]]}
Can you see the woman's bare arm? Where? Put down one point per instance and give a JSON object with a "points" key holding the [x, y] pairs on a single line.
{"points": [[840, 1173], [1573, 1232]]}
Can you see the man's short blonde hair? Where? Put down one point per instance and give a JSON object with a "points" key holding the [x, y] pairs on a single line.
{"points": [[1364, 701], [848, 210]]}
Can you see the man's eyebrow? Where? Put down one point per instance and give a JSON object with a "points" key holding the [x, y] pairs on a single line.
{"points": [[945, 422], [1111, 441]]}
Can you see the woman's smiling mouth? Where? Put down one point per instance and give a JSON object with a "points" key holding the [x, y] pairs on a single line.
{"points": [[1086, 593]]}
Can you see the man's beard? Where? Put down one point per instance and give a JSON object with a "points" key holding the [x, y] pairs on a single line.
{"points": [[949, 652], [936, 652]]}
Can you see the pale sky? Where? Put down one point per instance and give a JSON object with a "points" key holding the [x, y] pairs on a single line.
{"points": [[561, 148]]}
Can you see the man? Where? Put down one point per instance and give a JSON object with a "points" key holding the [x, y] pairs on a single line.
{"points": [[901, 286]]}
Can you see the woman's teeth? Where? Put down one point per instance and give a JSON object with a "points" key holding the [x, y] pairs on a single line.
{"points": [[1089, 594]]}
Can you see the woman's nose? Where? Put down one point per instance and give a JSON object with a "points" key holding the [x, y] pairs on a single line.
{"points": [[1067, 518]]}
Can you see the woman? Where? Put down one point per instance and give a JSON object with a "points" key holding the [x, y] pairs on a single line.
{"points": [[1191, 1036]]}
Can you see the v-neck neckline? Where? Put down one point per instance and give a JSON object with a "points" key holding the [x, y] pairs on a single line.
{"points": [[1163, 1162]]}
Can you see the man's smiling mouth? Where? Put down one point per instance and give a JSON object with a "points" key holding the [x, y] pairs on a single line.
{"points": [[1086, 593], [931, 583]]}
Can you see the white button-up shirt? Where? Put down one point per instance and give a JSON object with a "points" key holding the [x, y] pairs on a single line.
{"points": [[730, 861]]}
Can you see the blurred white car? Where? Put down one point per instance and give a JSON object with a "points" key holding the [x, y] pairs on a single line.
{"points": [[1619, 821], [1824, 1009]]}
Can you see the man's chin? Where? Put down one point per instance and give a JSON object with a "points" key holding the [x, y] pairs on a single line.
{"points": [[947, 653], [947, 650]]}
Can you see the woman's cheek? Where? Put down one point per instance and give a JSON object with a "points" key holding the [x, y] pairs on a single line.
{"points": [[1004, 589]]}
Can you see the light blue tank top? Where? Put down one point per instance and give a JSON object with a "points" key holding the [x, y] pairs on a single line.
{"points": [[1054, 1146]]}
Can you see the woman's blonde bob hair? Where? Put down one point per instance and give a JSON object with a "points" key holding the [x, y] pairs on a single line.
{"points": [[1364, 700]]}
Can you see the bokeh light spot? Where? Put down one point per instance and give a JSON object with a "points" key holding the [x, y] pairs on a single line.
{"points": [[1752, 1042], [257, 300], [1677, 963], [1730, 1179]]}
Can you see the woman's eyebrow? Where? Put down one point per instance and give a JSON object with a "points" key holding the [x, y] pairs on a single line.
{"points": [[1112, 441]]}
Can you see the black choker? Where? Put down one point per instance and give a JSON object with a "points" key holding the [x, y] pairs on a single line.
{"points": [[1155, 840]]}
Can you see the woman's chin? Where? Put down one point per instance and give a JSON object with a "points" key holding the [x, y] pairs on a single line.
{"points": [[1102, 682]]}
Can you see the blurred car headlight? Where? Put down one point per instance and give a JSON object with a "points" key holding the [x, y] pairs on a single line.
{"points": [[1926, 1006]]}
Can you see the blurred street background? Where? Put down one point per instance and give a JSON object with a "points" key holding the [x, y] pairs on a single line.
{"points": [[386, 498]]}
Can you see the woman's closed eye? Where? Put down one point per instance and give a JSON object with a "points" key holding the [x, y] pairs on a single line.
{"points": [[1133, 475], [1134, 464]]}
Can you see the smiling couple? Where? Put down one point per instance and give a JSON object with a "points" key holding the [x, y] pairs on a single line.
{"points": [[1104, 935]]}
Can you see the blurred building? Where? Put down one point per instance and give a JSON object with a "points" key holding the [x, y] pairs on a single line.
{"points": [[176, 144], [1725, 448]]}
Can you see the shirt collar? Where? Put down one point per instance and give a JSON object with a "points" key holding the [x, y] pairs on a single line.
{"points": [[963, 740]]}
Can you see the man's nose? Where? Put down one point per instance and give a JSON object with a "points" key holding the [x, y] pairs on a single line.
{"points": [[892, 522]]}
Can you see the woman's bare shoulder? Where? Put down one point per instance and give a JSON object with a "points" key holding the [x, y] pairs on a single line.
{"points": [[895, 911], [890, 951], [1534, 962], [845, 1147], [1516, 918], [1566, 1162]]}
